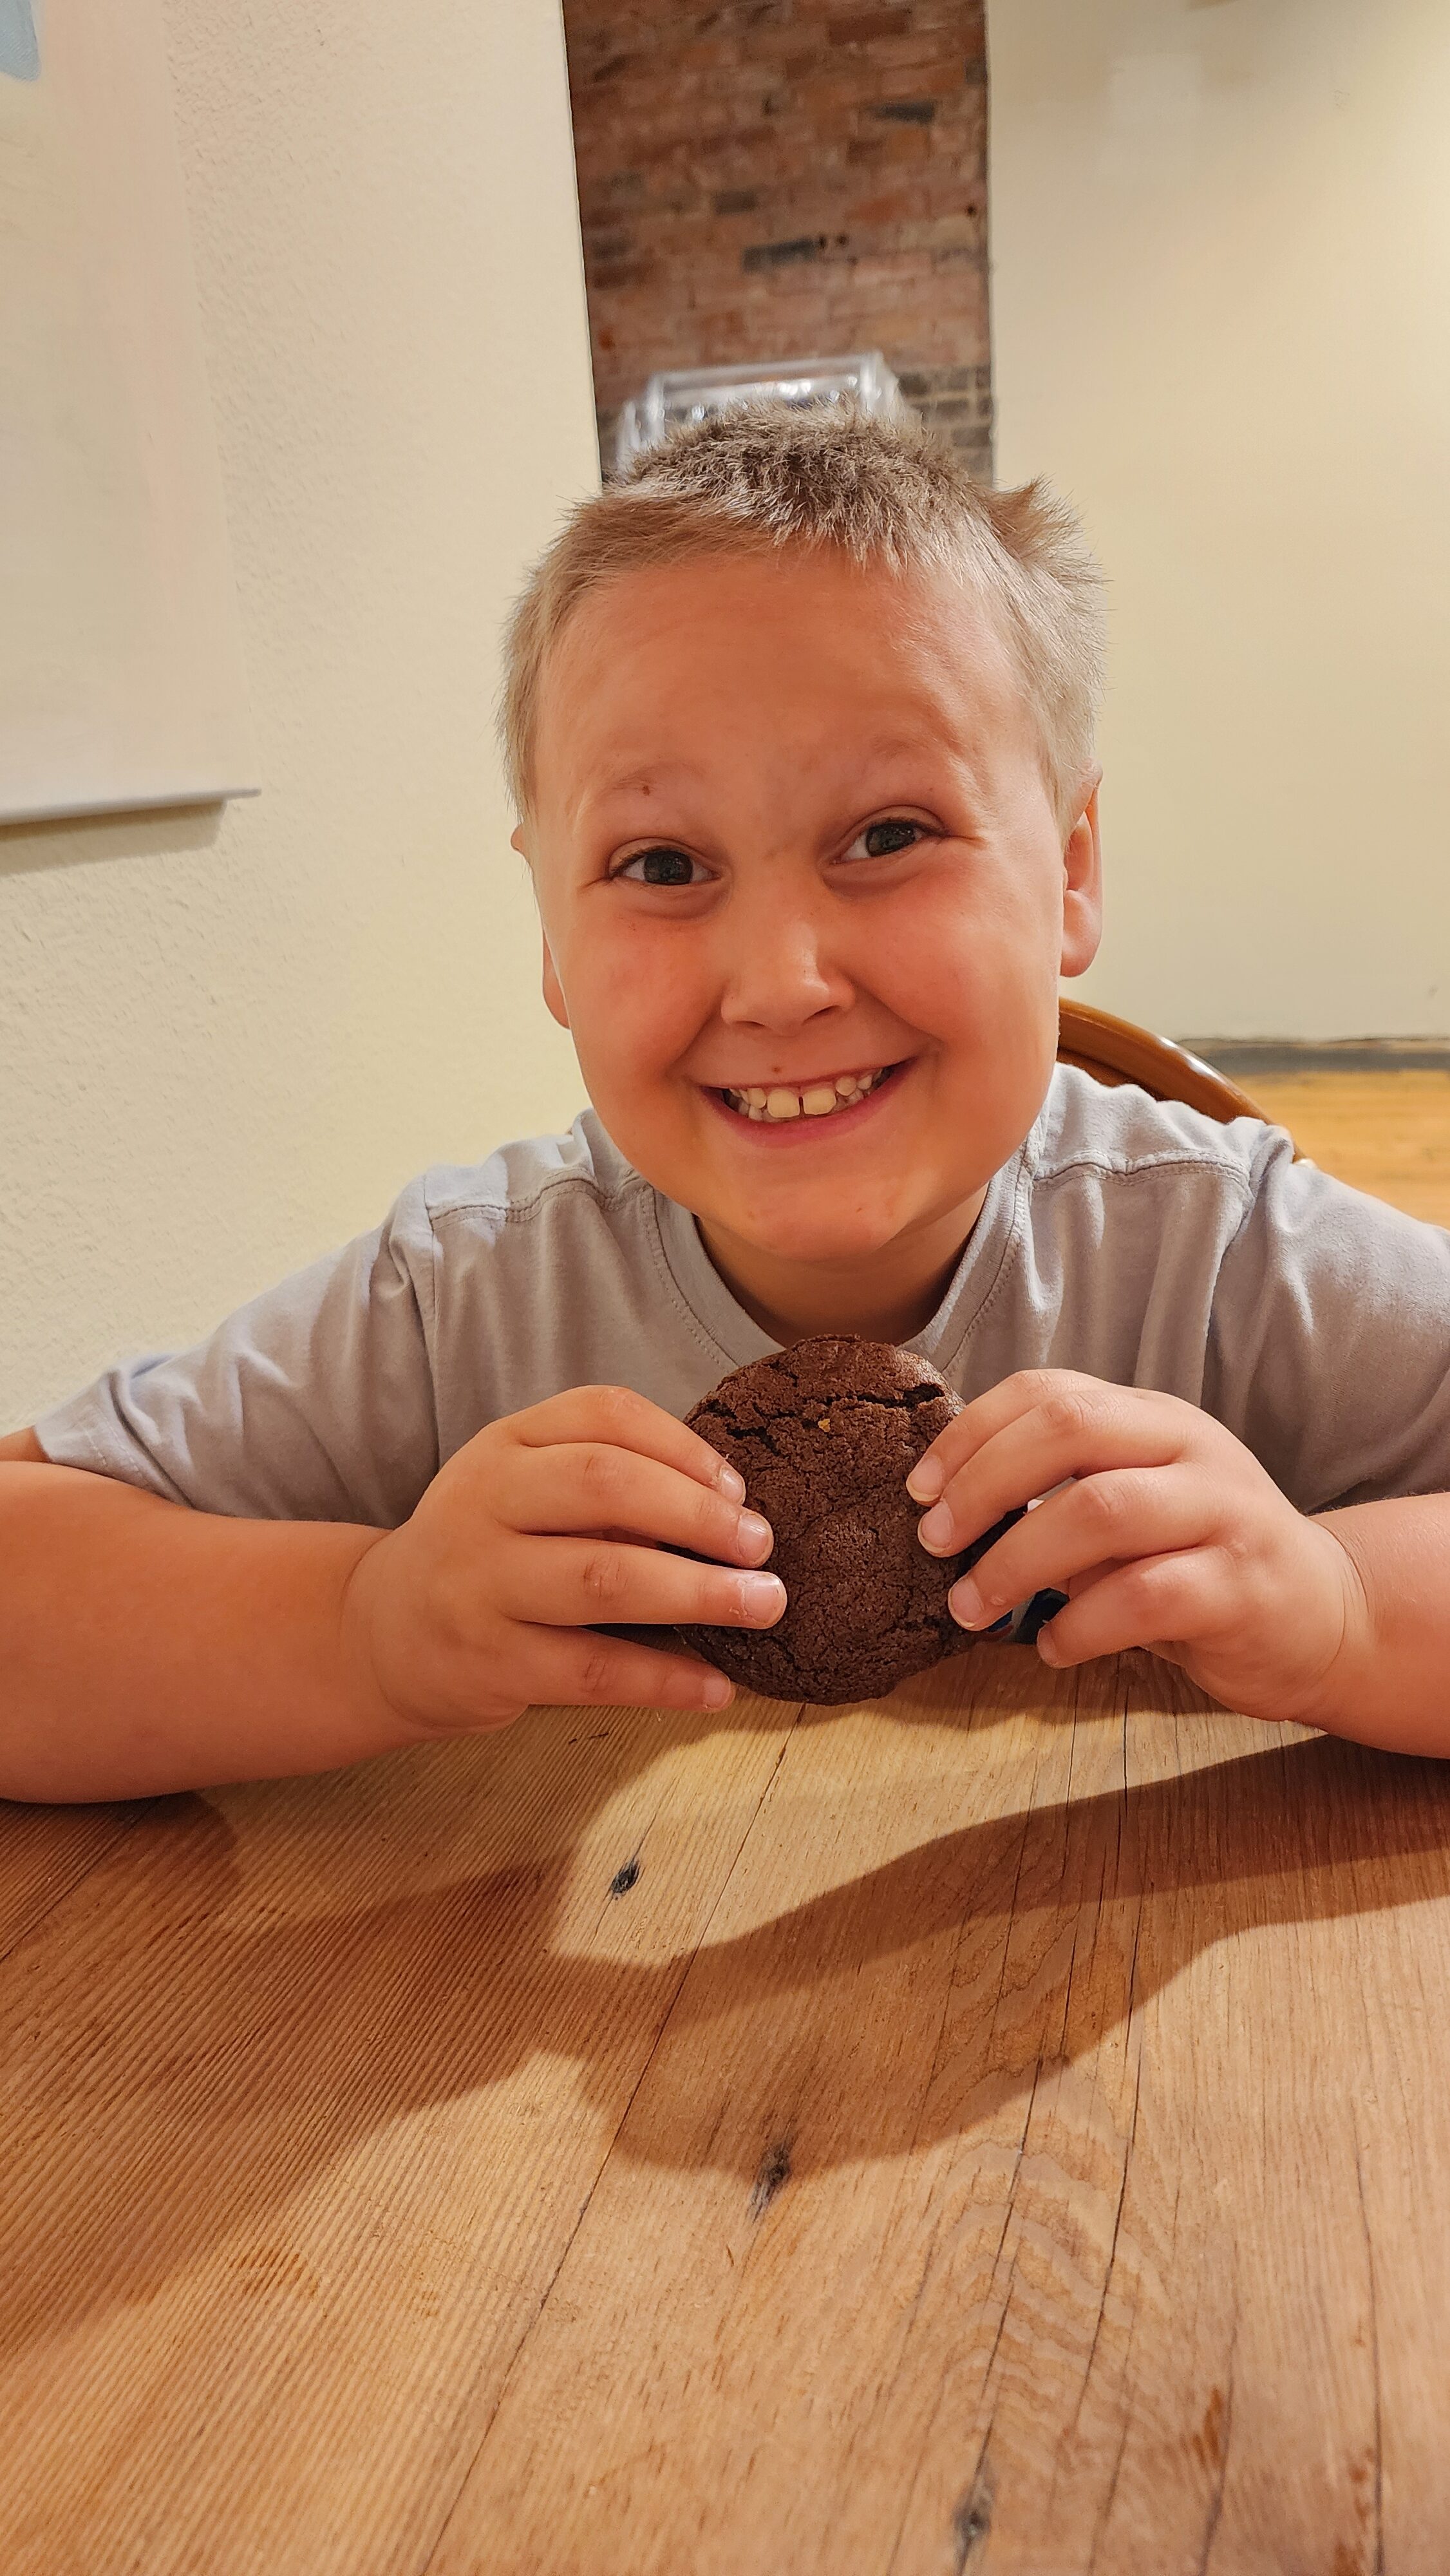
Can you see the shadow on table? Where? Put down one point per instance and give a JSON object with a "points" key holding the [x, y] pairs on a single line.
{"points": [[160, 2112]]}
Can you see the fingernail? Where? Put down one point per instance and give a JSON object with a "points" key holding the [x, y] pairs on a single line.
{"points": [[1046, 1648], [757, 1538], [926, 1480], [762, 1596], [936, 1528], [716, 1691], [731, 1483], [965, 1603]]}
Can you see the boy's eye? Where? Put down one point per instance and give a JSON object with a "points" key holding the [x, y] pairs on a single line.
{"points": [[661, 867], [882, 840]]}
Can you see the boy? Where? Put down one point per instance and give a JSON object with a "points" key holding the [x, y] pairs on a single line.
{"points": [[800, 723]]}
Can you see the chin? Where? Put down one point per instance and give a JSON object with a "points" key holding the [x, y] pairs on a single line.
{"points": [[827, 1240]]}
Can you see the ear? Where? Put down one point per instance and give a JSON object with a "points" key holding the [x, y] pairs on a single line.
{"points": [[517, 842], [553, 989], [1082, 886]]}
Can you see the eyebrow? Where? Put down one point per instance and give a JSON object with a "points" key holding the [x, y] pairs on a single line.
{"points": [[894, 747]]}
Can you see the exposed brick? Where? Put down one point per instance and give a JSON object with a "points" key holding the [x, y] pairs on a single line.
{"points": [[611, 273], [767, 179], [776, 254], [891, 147], [895, 206], [861, 26]]}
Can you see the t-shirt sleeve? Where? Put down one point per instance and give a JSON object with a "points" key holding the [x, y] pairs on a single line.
{"points": [[314, 1402], [1329, 1344]]}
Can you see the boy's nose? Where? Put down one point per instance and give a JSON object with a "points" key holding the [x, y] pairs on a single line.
{"points": [[779, 968]]}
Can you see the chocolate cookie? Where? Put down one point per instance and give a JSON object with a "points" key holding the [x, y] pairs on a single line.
{"points": [[825, 1434]]}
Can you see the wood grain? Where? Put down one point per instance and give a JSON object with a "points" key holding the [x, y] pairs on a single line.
{"points": [[1000, 2129], [48, 1852]]}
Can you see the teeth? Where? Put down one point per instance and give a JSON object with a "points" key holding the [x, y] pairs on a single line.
{"points": [[821, 1100]]}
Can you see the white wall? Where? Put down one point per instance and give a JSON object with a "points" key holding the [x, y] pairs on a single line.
{"points": [[1221, 303], [226, 1040]]}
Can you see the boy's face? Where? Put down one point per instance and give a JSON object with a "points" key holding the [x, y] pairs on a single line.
{"points": [[790, 827]]}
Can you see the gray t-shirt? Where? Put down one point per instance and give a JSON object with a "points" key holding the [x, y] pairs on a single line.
{"points": [[1135, 1240]]}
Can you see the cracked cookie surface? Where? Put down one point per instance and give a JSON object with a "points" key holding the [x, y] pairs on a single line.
{"points": [[825, 1434]]}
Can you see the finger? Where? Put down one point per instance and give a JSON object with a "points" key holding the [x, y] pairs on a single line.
{"points": [[576, 1583], [1161, 1601], [624, 1420], [1125, 1514], [1079, 1430], [1090, 1575], [583, 1485], [568, 1667], [978, 1422]]}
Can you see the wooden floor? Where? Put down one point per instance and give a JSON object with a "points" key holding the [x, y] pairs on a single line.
{"points": [[1388, 1133], [1001, 2132]]}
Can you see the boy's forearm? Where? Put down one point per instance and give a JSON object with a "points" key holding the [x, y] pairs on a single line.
{"points": [[146, 1648], [1391, 1684]]}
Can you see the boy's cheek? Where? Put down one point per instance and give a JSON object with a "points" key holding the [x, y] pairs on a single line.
{"points": [[988, 994], [633, 1018]]}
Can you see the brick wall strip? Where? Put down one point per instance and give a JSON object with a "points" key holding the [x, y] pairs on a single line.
{"points": [[768, 179]]}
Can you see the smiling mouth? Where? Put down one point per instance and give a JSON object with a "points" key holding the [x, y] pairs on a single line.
{"points": [[772, 1104]]}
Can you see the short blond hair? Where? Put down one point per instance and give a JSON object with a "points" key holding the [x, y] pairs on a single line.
{"points": [[764, 477]]}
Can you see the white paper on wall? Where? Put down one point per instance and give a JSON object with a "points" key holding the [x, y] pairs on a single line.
{"points": [[121, 680]]}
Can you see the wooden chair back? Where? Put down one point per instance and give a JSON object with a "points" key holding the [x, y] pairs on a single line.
{"points": [[1115, 1051]]}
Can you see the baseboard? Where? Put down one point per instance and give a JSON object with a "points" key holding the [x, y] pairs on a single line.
{"points": [[1323, 1055]]}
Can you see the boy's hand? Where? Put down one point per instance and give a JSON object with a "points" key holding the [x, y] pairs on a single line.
{"points": [[1171, 1535], [545, 1524]]}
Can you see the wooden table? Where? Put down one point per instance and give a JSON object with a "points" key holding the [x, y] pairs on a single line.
{"points": [[1002, 2130]]}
